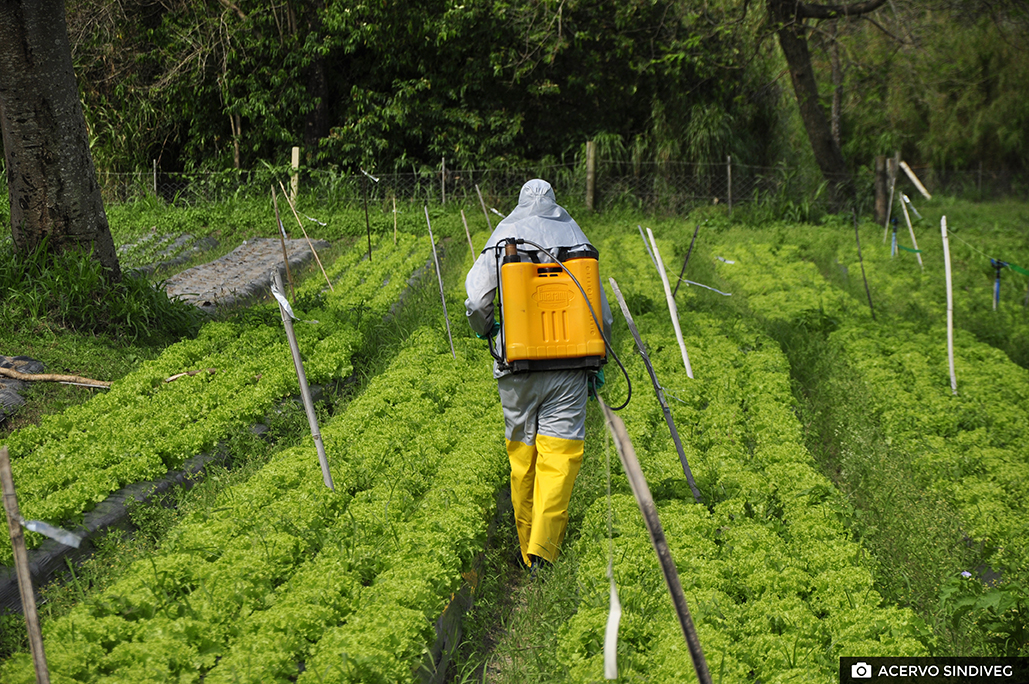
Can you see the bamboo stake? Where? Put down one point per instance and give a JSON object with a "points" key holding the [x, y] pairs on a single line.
{"points": [[21, 566], [640, 489], [309, 243], [298, 363], [893, 186], [394, 220], [439, 276], [657, 389], [367, 224], [471, 248], [688, 252], [918, 183], [672, 308], [483, 203], [911, 230], [950, 306], [282, 240], [647, 245], [857, 240]]}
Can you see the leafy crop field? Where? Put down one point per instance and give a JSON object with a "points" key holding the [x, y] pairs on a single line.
{"points": [[852, 505]]}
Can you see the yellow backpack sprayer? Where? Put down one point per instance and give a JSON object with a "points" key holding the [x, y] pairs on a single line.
{"points": [[548, 309]]}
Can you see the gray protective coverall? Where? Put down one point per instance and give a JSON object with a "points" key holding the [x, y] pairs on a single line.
{"points": [[544, 411]]}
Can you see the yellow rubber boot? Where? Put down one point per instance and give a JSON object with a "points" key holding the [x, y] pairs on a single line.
{"points": [[557, 465], [523, 476]]}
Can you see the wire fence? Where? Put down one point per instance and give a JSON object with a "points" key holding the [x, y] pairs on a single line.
{"points": [[669, 188]]}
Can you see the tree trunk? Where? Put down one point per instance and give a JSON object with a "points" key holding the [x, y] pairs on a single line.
{"points": [[51, 179], [793, 41]]}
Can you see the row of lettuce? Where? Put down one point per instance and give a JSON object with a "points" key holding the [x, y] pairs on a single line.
{"points": [[968, 451], [912, 286], [145, 426], [777, 587], [285, 580]]}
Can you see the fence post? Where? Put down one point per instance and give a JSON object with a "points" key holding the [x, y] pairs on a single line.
{"points": [[443, 181], [880, 188], [591, 173], [728, 168], [155, 178], [294, 181]]}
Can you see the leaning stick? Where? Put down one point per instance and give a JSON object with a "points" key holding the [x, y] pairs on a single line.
{"points": [[50, 377], [190, 374], [439, 276], [21, 566], [641, 348], [305, 391], [471, 248], [889, 205], [282, 239], [864, 277], [645, 501], [684, 263], [914, 179], [907, 217], [950, 306], [672, 308], [309, 243], [483, 203]]}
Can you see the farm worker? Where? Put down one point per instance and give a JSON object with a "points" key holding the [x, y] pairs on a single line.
{"points": [[544, 411]]}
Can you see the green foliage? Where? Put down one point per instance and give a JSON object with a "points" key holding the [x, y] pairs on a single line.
{"points": [[775, 583], [940, 86], [71, 289], [881, 396], [281, 570], [215, 86], [1000, 610], [144, 425]]}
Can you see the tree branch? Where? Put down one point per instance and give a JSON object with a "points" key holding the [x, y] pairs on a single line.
{"points": [[806, 11]]}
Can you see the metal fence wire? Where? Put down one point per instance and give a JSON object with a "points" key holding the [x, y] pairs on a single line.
{"points": [[667, 188]]}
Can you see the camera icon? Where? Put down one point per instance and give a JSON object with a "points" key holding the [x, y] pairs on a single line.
{"points": [[860, 671]]}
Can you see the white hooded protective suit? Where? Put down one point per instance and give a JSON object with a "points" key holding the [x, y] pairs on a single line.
{"points": [[544, 411]]}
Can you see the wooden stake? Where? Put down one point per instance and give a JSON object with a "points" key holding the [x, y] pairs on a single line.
{"points": [[891, 167], [282, 239], [305, 391], [914, 242], [688, 252], [367, 224], [657, 389], [439, 276], [471, 248], [918, 183], [950, 306], [640, 489], [295, 178], [591, 173], [484, 212], [857, 240], [309, 244], [21, 566], [672, 308]]}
